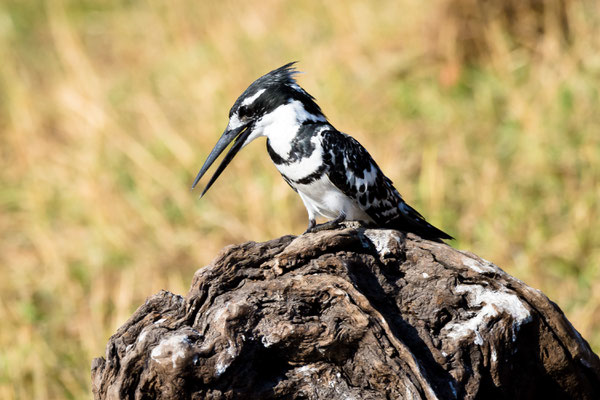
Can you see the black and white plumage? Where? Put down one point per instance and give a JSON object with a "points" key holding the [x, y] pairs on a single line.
{"points": [[334, 175]]}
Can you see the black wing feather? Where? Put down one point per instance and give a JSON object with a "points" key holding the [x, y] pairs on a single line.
{"points": [[356, 174]]}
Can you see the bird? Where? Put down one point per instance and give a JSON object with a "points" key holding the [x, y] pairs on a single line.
{"points": [[334, 175]]}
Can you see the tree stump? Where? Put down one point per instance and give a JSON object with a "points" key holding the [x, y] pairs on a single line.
{"points": [[354, 313]]}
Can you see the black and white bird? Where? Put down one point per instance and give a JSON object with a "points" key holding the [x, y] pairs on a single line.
{"points": [[334, 175]]}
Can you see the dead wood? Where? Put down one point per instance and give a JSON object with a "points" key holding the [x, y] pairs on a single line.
{"points": [[353, 313]]}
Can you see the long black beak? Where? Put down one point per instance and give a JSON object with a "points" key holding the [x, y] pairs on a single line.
{"points": [[239, 135]]}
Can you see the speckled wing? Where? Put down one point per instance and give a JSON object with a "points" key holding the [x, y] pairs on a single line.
{"points": [[355, 173]]}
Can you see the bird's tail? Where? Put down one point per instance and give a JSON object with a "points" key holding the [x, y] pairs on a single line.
{"points": [[409, 220]]}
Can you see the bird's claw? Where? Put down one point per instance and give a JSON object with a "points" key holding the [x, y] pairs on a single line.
{"points": [[333, 224]]}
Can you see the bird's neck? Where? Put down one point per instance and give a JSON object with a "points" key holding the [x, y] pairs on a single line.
{"points": [[289, 126]]}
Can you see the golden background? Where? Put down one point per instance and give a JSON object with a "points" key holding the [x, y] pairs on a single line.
{"points": [[485, 114]]}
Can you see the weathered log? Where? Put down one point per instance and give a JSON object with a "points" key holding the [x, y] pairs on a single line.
{"points": [[353, 313]]}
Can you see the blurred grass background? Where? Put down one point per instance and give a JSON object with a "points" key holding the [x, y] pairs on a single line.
{"points": [[485, 114]]}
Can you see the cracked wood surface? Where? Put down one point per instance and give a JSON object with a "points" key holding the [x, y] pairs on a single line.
{"points": [[348, 314]]}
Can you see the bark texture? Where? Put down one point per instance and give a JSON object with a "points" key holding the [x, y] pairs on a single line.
{"points": [[348, 314]]}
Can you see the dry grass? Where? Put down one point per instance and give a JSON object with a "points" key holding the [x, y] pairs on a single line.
{"points": [[108, 108]]}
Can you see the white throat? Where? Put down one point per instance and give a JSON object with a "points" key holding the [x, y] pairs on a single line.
{"points": [[281, 125]]}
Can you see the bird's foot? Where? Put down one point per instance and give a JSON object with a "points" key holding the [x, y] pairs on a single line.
{"points": [[313, 227], [311, 224]]}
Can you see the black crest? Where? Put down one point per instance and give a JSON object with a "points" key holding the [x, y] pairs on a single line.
{"points": [[280, 76], [279, 87]]}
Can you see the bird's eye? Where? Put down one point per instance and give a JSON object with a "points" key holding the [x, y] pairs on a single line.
{"points": [[244, 112]]}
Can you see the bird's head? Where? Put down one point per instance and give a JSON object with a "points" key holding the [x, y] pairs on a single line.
{"points": [[269, 98]]}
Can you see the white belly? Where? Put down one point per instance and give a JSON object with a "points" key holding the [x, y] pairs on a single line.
{"points": [[322, 198]]}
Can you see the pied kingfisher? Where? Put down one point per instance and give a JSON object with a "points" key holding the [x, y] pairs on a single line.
{"points": [[334, 175]]}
